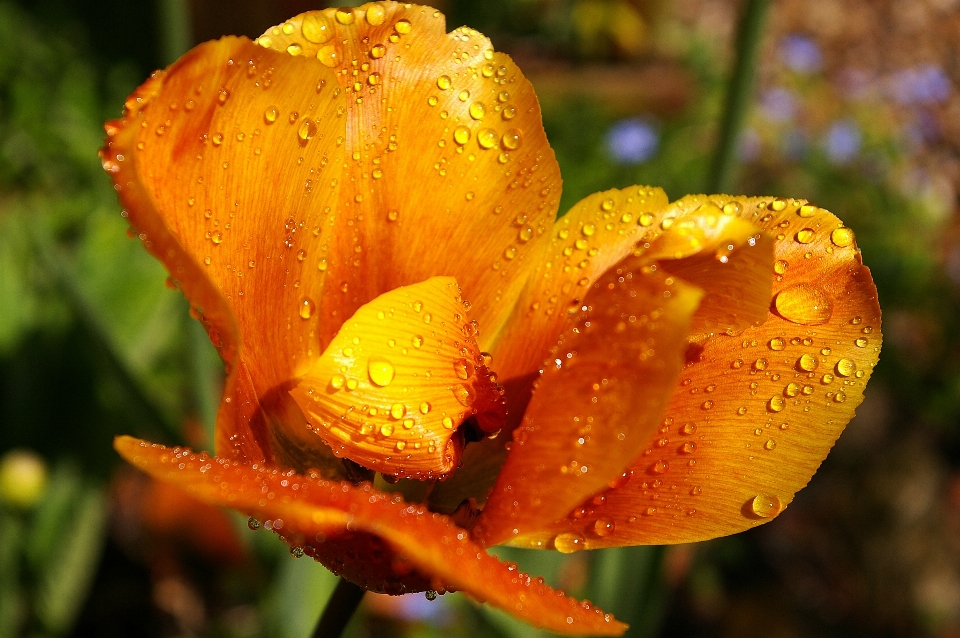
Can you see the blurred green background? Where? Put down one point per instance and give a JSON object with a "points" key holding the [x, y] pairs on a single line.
{"points": [[855, 107]]}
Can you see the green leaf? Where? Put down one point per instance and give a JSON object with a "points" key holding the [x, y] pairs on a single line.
{"points": [[52, 516], [300, 591], [65, 583], [11, 599]]}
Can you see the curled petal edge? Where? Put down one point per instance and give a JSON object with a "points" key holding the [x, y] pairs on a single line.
{"points": [[428, 541]]}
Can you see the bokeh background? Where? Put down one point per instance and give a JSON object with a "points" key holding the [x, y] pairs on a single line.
{"points": [[855, 107]]}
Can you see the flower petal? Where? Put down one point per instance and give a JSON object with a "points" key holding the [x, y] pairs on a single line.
{"points": [[755, 414], [397, 381], [444, 143], [596, 403], [324, 512], [728, 257], [595, 234], [196, 160], [599, 231]]}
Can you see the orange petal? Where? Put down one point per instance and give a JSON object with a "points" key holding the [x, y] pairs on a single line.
{"points": [[595, 234], [397, 381], [196, 160], [597, 402], [755, 414], [448, 169], [321, 511], [728, 257]]}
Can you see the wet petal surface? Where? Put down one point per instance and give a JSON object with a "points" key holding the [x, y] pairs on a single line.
{"points": [[230, 117], [601, 395], [319, 512], [754, 414], [398, 380], [597, 233], [444, 141]]}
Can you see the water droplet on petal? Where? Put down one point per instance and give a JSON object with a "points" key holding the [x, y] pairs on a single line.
{"points": [[568, 542], [477, 110], [846, 367], [329, 56], [345, 16], [376, 14], [603, 527], [306, 308], [381, 371], [316, 28], [512, 139], [308, 128], [765, 505], [807, 363], [461, 135], [805, 304], [487, 138], [465, 394], [842, 237]]}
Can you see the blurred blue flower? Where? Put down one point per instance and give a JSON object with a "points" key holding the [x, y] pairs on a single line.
{"points": [[779, 104], [632, 141], [928, 84], [801, 54], [843, 141]]}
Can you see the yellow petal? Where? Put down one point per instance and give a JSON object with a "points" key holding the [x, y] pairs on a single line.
{"points": [[196, 160], [397, 381], [601, 395], [406, 543], [444, 143], [755, 414]]}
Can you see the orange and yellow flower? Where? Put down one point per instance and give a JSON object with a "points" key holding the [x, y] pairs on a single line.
{"points": [[637, 371]]}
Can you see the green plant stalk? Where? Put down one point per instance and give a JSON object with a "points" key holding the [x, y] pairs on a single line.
{"points": [[339, 610], [739, 89], [628, 582], [176, 30]]}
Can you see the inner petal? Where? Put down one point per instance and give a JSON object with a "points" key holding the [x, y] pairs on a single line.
{"points": [[395, 384]]}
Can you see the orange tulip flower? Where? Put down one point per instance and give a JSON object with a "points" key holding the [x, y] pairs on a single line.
{"points": [[634, 372]]}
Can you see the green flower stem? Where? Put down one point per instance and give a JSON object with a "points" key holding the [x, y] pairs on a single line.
{"points": [[749, 33], [176, 30], [340, 609], [628, 582], [157, 423]]}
